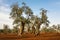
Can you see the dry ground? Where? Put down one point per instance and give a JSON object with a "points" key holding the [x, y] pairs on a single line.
{"points": [[28, 36]]}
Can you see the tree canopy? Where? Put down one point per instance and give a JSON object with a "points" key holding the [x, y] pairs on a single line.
{"points": [[16, 15]]}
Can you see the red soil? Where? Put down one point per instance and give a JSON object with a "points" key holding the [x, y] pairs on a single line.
{"points": [[28, 36]]}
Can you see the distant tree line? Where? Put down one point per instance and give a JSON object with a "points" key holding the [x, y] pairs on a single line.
{"points": [[7, 30], [52, 29]]}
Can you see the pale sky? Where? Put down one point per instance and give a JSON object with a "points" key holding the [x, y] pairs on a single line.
{"points": [[53, 7]]}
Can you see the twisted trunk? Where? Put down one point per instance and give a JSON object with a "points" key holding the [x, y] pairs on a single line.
{"points": [[37, 28], [33, 29], [22, 28]]}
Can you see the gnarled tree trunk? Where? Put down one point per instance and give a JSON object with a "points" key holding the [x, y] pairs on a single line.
{"points": [[37, 28], [22, 28]]}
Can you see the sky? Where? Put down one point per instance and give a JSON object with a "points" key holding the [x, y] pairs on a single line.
{"points": [[53, 7]]}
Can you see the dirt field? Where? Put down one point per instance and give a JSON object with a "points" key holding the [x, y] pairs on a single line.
{"points": [[27, 36]]}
